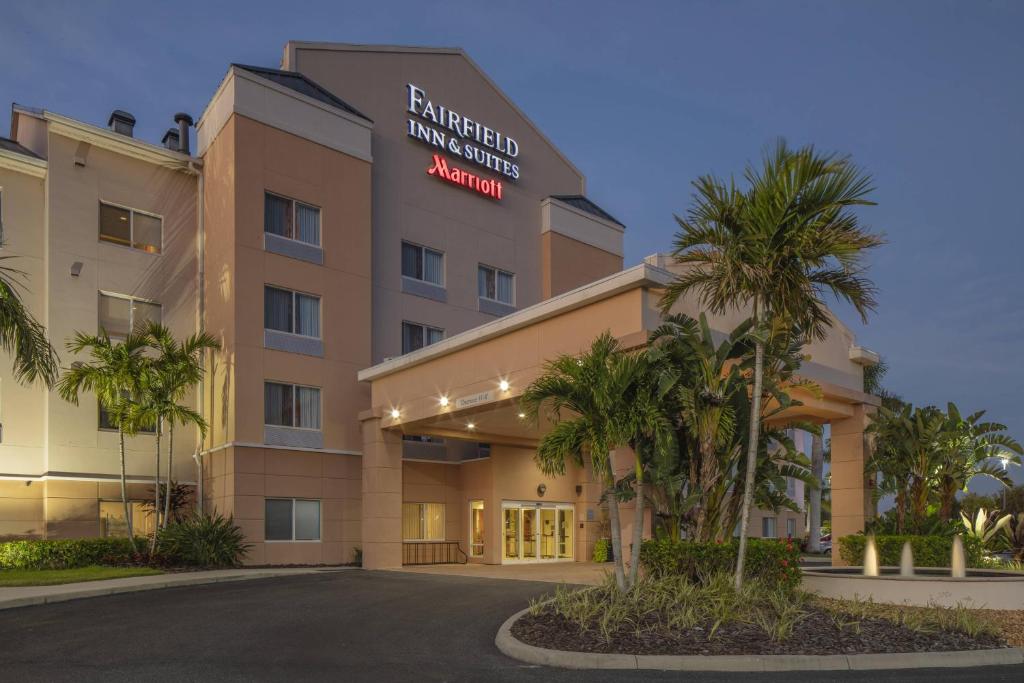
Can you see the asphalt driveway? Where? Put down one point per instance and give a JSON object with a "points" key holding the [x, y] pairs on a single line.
{"points": [[344, 626]]}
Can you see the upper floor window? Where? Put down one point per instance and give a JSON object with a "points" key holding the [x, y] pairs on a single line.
{"points": [[131, 228], [291, 219], [496, 285], [119, 314], [292, 312], [416, 336], [421, 263], [291, 405]]}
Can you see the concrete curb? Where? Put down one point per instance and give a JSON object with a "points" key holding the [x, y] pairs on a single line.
{"points": [[516, 649], [85, 590]]}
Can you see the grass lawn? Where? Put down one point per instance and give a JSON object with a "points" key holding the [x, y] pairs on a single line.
{"points": [[52, 577]]}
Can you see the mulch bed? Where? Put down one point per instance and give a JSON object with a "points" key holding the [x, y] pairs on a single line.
{"points": [[817, 634]]}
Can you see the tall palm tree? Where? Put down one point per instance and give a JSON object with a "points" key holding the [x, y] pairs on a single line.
{"points": [[599, 401], [776, 249], [112, 374], [21, 335], [176, 368]]}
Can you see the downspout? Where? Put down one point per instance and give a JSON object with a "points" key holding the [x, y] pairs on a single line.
{"points": [[201, 312]]}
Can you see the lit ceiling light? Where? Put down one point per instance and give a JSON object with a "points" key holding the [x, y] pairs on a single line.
{"points": [[503, 385], [522, 415], [443, 401], [395, 414], [471, 425]]}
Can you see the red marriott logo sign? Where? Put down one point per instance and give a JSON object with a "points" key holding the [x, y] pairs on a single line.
{"points": [[471, 181]]}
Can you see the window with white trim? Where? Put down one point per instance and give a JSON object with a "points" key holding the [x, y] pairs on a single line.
{"points": [[423, 521], [790, 527], [291, 405], [291, 312], [422, 263], [120, 314], [131, 228], [496, 285], [767, 527], [291, 219], [291, 519], [415, 336]]}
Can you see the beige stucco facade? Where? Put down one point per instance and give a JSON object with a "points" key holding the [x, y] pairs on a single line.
{"points": [[314, 181]]}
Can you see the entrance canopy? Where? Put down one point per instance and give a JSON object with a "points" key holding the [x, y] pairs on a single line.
{"points": [[468, 386]]}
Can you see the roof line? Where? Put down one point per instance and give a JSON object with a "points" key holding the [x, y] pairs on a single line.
{"points": [[293, 45], [336, 100]]}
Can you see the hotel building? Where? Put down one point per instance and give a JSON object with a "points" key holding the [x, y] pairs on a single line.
{"points": [[388, 250]]}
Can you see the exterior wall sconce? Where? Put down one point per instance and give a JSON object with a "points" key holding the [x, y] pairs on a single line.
{"points": [[503, 385], [76, 269], [542, 489]]}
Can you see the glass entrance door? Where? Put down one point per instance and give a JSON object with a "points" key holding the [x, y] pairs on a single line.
{"points": [[537, 532]]}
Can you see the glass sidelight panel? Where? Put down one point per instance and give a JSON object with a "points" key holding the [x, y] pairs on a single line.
{"points": [[547, 533], [565, 533], [511, 516], [476, 528], [529, 533]]}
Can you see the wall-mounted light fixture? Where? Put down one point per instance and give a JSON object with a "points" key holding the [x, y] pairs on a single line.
{"points": [[470, 425], [76, 269], [503, 385], [542, 489], [443, 401], [395, 413]]}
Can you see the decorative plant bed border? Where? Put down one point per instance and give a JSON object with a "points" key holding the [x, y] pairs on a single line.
{"points": [[515, 648]]}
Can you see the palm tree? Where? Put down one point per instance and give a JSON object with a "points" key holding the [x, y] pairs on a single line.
{"points": [[113, 375], [22, 336], [176, 368], [599, 401], [776, 249]]}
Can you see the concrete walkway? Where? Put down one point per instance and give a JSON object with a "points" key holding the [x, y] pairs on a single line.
{"points": [[21, 596], [581, 573]]}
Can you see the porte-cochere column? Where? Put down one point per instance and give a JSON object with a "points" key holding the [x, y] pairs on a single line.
{"points": [[851, 496], [382, 495]]}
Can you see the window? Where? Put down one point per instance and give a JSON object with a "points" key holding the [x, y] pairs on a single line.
{"points": [[421, 263], [131, 228], [291, 405], [291, 519], [292, 312], [112, 521], [423, 521], [496, 285], [476, 528], [790, 527], [120, 314], [416, 336], [291, 219], [767, 527]]}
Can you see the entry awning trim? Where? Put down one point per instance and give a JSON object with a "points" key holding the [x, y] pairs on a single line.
{"points": [[643, 275]]}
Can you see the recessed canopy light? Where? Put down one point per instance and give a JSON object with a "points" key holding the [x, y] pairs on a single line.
{"points": [[443, 401], [471, 426], [522, 415], [503, 385], [395, 414]]}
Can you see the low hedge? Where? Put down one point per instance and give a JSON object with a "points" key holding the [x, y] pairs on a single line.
{"points": [[67, 553], [929, 551], [774, 561]]}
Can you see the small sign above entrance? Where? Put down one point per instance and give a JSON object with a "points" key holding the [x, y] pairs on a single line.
{"points": [[474, 400]]}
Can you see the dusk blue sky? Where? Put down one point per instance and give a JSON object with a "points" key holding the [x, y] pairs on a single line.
{"points": [[643, 97]]}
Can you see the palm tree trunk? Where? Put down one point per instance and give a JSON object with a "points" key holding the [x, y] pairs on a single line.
{"points": [[755, 428], [156, 489], [124, 492], [170, 462], [817, 470], [616, 530], [638, 531]]}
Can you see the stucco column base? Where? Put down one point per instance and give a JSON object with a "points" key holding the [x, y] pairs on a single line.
{"points": [[382, 496], [851, 498]]}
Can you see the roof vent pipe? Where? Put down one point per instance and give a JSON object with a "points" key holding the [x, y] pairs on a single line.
{"points": [[184, 121], [170, 139], [121, 122]]}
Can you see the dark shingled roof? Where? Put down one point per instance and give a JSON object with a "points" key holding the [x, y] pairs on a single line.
{"points": [[12, 146], [580, 202], [293, 80]]}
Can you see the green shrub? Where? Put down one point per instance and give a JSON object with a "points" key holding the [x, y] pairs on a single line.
{"points": [[929, 551], [69, 553], [602, 550], [777, 562], [203, 540]]}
